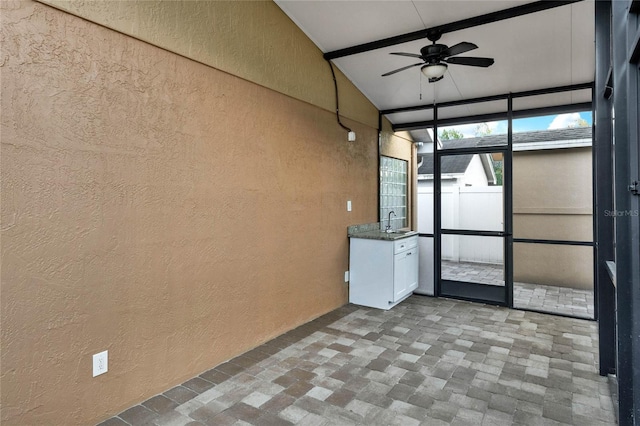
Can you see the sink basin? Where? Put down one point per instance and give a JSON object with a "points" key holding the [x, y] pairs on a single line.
{"points": [[399, 233]]}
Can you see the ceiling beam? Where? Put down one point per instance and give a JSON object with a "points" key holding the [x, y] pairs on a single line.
{"points": [[446, 104], [524, 113], [475, 21], [535, 92]]}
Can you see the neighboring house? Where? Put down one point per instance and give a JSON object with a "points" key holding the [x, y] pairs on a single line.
{"points": [[480, 169], [458, 170], [552, 200]]}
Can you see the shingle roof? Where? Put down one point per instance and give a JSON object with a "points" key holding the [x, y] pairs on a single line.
{"points": [[522, 137], [451, 164]]}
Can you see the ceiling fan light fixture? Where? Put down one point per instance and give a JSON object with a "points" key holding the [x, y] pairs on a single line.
{"points": [[434, 71]]}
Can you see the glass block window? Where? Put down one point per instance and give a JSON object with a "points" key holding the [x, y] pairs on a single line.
{"points": [[393, 192]]}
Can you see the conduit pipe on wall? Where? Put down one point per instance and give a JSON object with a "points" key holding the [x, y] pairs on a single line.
{"points": [[335, 85]]}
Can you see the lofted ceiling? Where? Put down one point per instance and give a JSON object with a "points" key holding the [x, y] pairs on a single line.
{"points": [[549, 48]]}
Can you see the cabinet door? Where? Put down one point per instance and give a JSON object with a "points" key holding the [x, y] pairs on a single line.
{"points": [[405, 273], [400, 275], [412, 261]]}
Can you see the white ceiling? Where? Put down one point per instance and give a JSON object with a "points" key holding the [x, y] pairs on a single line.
{"points": [[551, 48]]}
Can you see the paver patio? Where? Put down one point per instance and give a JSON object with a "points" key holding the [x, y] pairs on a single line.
{"points": [[546, 298], [427, 361]]}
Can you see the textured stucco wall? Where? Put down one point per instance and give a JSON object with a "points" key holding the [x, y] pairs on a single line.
{"points": [[552, 200], [254, 40], [553, 265], [171, 213]]}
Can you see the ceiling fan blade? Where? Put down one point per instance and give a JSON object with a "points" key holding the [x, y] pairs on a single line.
{"points": [[474, 62], [457, 49], [412, 55], [402, 69]]}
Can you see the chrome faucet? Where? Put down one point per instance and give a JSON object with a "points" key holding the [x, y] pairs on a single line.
{"points": [[388, 228]]}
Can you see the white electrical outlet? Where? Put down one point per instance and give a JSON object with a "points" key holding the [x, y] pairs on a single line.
{"points": [[100, 363], [349, 205], [346, 276], [351, 136]]}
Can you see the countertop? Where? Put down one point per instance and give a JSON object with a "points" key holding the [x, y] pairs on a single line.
{"points": [[381, 235], [371, 231]]}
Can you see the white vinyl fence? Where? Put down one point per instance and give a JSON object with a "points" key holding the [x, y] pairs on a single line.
{"points": [[470, 208]]}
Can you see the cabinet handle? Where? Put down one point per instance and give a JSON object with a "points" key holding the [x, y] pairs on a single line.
{"points": [[409, 254], [402, 246]]}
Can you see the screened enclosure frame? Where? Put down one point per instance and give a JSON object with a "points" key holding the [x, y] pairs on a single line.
{"points": [[505, 299]]}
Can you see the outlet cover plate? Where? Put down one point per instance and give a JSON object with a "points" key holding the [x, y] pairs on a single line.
{"points": [[346, 276], [100, 363]]}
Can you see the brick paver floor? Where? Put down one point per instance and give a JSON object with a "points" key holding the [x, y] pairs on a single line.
{"points": [[427, 361], [546, 298]]}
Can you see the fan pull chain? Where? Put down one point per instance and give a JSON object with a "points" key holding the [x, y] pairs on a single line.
{"points": [[435, 95]]}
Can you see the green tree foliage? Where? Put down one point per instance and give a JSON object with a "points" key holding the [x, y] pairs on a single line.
{"points": [[483, 129], [449, 134], [580, 122], [497, 168]]}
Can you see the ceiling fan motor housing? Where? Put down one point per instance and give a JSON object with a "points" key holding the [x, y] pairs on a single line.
{"points": [[432, 52]]}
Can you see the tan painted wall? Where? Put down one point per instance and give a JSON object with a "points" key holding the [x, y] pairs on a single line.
{"points": [[552, 199], [554, 265], [253, 40], [171, 213]]}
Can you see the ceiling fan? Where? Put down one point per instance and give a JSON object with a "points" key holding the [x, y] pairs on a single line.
{"points": [[435, 58]]}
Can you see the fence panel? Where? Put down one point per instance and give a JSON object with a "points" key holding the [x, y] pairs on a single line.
{"points": [[473, 208]]}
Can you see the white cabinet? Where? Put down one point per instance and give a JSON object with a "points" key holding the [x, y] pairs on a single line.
{"points": [[382, 272], [405, 273]]}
